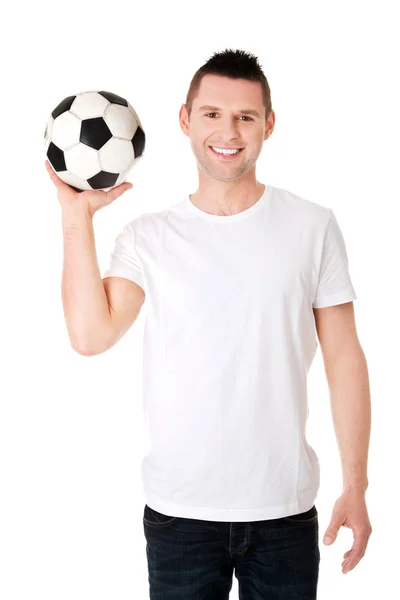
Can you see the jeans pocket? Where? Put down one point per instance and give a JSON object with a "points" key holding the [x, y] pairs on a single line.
{"points": [[304, 518], [156, 519]]}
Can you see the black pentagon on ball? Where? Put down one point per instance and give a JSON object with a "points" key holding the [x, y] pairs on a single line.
{"points": [[56, 157], [138, 142], [103, 179], [63, 106], [114, 98], [95, 133]]}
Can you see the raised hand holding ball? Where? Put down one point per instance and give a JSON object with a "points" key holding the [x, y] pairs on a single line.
{"points": [[90, 200]]}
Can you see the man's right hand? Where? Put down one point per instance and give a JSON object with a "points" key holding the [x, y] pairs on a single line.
{"points": [[95, 199]]}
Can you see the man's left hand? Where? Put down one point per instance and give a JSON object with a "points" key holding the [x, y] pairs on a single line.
{"points": [[350, 510]]}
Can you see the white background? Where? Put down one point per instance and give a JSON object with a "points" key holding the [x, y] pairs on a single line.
{"points": [[72, 432]]}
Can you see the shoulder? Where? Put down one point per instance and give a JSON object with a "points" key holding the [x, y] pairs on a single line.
{"points": [[149, 224], [297, 209], [299, 204]]}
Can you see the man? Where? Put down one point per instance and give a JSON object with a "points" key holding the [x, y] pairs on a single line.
{"points": [[238, 279]]}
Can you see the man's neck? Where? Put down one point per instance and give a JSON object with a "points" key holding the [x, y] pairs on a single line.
{"points": [[227, 206]]}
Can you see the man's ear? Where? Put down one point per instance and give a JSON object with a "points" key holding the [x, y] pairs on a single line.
{"points": [[269, 128], [184, 120]]}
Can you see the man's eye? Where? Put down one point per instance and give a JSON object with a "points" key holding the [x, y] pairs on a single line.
{"points": [[208, 114]]}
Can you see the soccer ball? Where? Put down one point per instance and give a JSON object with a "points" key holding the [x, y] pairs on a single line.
{"points": [[93, 139]]}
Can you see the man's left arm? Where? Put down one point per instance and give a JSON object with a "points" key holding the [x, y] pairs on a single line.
{"points": [[347, 376]]}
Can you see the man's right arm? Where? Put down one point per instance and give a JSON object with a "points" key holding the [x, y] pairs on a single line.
{"points": [[97, 312]]}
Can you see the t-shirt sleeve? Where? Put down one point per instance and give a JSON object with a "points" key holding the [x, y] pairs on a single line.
{"points": [[334, 283], [124, 261]]}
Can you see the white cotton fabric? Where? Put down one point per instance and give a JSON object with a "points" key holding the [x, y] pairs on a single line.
{"points": [[229, 339]]}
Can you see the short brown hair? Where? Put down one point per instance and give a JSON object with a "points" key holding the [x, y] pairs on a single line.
{"points": [[236, 64]]}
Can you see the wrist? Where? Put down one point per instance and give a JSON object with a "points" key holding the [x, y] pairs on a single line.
{"points": [[355, 484], [72, 211]]}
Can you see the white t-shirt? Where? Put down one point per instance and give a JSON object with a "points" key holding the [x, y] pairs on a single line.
{"points": [[229, 339]]}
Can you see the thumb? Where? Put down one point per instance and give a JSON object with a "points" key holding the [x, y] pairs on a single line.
{"points": [[330, 535], [116, 192]]}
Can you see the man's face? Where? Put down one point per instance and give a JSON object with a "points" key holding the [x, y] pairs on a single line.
{"points": [[229, 125]]}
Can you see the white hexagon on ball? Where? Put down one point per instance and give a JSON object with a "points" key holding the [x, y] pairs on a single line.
{"points": [[116, 155], [47, 133], [66, 130], [49, 127], [82, 161], [124, 175], [133, 111], [89, 105], [75, 181], [121, 121]]}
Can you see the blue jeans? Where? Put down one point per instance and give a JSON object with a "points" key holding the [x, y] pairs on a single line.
{"points": [[192, 559]]}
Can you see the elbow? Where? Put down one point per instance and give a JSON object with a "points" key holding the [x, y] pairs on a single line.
{"points": [[86, 351], [90, 347]]}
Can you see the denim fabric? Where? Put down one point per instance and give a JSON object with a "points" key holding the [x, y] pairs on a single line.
{"points": [[192, 559]]}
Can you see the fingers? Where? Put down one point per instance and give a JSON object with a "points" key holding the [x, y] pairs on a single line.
{"points": [[355, 554], [53, 176], [111, 194], [50, 170]]}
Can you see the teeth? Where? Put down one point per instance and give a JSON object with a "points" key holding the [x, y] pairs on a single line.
{"points": [[222, 151]]}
